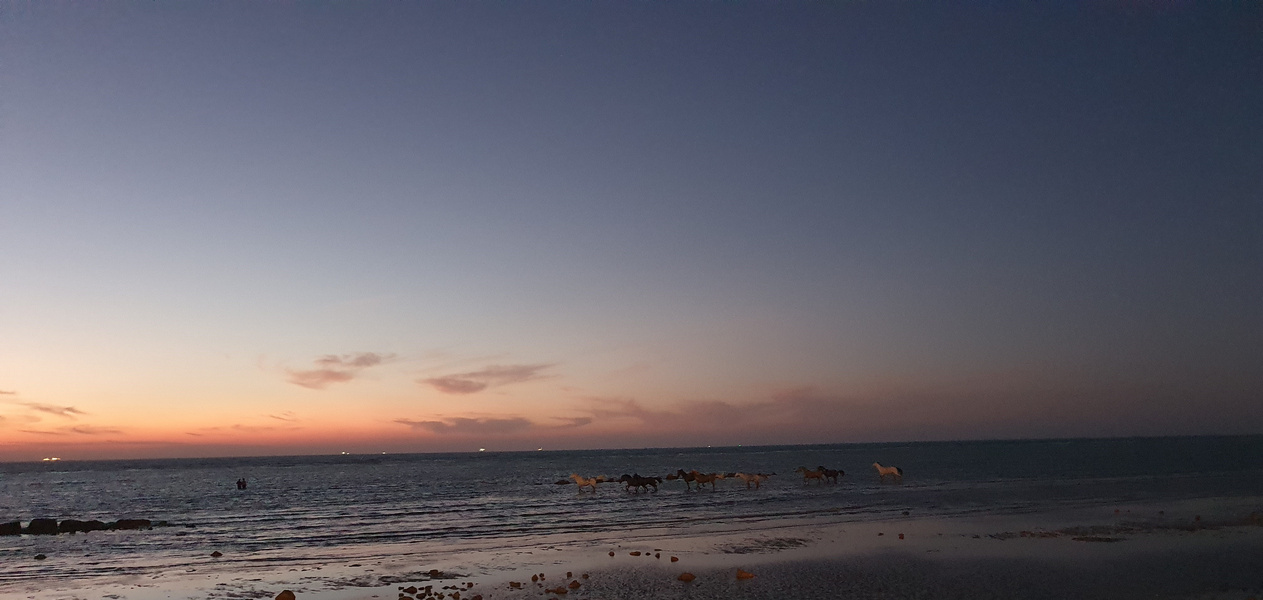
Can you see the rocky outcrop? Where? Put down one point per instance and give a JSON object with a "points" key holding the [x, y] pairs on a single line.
{"points": [[76, 526], [132, 524], [41, 527], [52, 527]]}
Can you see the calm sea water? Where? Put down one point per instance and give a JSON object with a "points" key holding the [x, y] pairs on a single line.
{"points": [[358, 501]]}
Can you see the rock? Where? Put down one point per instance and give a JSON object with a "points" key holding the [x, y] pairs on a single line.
{"points": [[686, 577], [744, 574], [880, 533], [435, 573], [217, 554], [132, 524], [635, 553], [675, 559], [657, 555], [285, 595], [574, 585], [42, 527], [70, 526], [901, 536], [569, 574], [40, 557], [515, 585], [611, 553], [534, 578], [11, 528], [93, 525], [412, 589]]}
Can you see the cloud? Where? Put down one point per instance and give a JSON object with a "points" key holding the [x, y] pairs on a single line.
{"points": [[68, 412], [467, 426], [7, 393], [492, 376], [42, 432], [287, 416], [94, 430], [572, 422], [331, 369]]}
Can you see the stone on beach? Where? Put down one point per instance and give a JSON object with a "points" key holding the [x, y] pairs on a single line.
{"points": [[285, 595], [11, 528], [675, 559], [574, 585], [40, 556], [216, 554], [744, 574], [635, 553], [686, 577]]}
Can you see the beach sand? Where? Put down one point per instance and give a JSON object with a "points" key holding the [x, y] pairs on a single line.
{"points": [[1199, 549]]}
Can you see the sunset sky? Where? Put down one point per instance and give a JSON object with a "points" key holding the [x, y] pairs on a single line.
{"points": [[291, 228]]}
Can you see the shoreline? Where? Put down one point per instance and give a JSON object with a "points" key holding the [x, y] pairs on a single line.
{"points": [[1189, 549]]}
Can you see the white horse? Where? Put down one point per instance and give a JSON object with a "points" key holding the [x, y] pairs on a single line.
{"points": [[893, 472]]}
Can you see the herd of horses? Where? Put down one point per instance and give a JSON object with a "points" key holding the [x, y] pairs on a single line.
{"points": [[639, 483]]}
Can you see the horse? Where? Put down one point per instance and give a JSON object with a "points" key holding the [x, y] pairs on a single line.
{"points": [[832, 474], [586, 481], [687, 477], [893, 472], [755, 478], [710, 478], [640, 483], [808, 475]]}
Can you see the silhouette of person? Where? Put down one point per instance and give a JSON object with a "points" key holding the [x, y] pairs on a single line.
{"points": [[241, 483]]}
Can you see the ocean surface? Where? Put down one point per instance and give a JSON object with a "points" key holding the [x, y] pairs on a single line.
{"points": [[355, 503]]}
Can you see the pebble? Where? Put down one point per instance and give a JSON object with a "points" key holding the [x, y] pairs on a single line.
{"points": [[574, 585], [216, 554], [635, 553], [285, 595], [686, 577], [675, 559], [744, 574]]}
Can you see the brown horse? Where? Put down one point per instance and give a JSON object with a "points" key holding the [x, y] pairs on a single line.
{"points": [[808, 474], [687, 477], [710, 478], [832, 474]]}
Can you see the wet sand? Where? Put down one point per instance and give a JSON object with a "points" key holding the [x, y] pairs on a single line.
{"points": [[1200, 549]]}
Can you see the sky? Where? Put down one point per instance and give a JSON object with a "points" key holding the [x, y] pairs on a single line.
{"points": [[319, 227]]}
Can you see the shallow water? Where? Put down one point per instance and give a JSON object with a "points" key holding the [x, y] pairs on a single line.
{"points": [[358, 503]]}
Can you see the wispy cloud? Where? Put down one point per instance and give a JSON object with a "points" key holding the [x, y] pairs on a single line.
{"points": [[68, 412], [492, 376], [287, 416], [572, 422], [42, 432], [7, 393], [467, 426], [331, 368], [94, 430]]}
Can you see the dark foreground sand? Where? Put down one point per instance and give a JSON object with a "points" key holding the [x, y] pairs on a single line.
{"points": [[1206, 549]]}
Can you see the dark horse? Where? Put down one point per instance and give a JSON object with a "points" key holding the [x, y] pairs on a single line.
{"points": [[688, 478], [832, 474], [640, 483]]}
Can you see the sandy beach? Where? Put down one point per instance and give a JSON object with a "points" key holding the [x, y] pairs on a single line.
{"points": [[1209, 548]]}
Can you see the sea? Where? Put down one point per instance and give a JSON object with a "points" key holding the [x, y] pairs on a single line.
{"points": [[357, 504]]}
